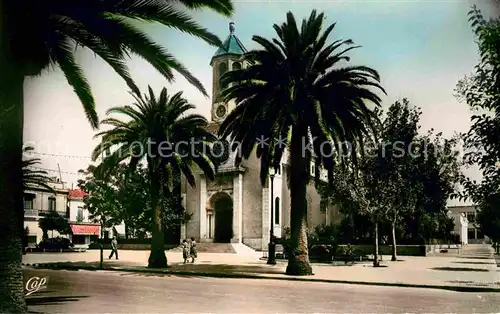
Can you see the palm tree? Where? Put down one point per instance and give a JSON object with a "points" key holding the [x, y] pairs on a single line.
{"points": [[293, 91], [175, 145], [36, 35], [32, 177]]}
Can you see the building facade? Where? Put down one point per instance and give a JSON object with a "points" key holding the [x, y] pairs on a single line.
{"points": [[474, 234], [84, 231], [69, 204], [39, 201], [235, 207]]}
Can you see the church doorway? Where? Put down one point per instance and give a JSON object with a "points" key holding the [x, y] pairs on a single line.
{"points": [[222, 205]]}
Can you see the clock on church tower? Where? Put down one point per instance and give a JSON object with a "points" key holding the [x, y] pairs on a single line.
{"points": [[229, 57], [220, 110]]}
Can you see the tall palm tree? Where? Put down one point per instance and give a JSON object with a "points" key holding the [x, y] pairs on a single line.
{"points": [[171, 141], [36, 35], [294, 91]]}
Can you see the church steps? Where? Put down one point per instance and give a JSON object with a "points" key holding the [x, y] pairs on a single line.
{"points": [[244, 250]]}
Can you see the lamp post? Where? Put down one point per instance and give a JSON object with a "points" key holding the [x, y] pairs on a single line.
{"points": [[271, 256]]}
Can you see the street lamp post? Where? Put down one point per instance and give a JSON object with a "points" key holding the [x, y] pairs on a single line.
{"points": [[271, 256]]}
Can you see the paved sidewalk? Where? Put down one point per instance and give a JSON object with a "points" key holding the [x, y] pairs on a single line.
{"points": [[463, 273]]}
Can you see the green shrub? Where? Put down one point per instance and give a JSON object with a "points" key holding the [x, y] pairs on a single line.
{"points": [[322, 252]]}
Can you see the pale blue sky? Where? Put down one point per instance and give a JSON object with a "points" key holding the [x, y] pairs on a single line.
{"points": [[420, 48]]}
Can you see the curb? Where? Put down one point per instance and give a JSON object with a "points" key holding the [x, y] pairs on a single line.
{"points": [[58, 266]]}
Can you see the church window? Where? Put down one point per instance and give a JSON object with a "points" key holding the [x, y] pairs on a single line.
{"points": [[222, 70], [236, 66], [277, 211]]}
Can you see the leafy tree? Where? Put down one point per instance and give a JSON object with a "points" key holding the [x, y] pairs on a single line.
{"points": [[53, 221], [360, 190], [38, 34], [488, 218], [162, 126], [486, 196], [438, 169], [102, 202], [423, 171], [481, 92], [375, 191], [294, 91], [394, 163], [355, 228], [403, 176], [122, 196], [134, 194]]}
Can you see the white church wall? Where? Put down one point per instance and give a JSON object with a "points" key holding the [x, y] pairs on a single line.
{"points": [[193, 208], [252, 202], [277, 204]]}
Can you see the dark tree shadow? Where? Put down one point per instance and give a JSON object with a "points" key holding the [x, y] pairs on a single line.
{"points": [[460, 269], [475, 257], [379, 266], [185, 269], [470, 283], [85, 265], [47, 300], [475, 263]]}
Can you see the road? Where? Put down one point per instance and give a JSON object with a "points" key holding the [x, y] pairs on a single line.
{"points": [[113, 292]]}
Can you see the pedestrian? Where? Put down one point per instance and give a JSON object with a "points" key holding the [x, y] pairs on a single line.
{"points": [[192, 252], [114, 248], [185, 250]]}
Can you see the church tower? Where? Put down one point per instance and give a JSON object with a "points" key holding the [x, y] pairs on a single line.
{"points": [[229, 57]]}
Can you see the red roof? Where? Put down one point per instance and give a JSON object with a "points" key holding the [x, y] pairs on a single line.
{"points": [[85, 229], [77, 194]]}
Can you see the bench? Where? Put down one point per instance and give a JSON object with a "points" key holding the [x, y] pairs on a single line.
{"points": [[280, 251]]}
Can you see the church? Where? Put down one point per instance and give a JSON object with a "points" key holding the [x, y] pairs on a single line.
{"points": [[235, 207]]}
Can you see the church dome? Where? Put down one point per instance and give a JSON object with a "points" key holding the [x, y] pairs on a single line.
{"points": [[231, 46]]}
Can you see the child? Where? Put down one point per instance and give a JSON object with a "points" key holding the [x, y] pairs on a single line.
{"points": [[185, 250]]}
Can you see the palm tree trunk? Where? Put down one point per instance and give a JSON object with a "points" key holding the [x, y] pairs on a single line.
{"points": [[376, 262], [298, 259], [11, 188], [157, 257], [394, 246]]}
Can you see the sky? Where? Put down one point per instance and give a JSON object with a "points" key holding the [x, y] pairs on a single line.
{"points": [[420, 48]]}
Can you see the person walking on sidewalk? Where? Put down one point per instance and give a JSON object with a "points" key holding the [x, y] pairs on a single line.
{"points": [[192, 251], [185, 250], [114, 248]]}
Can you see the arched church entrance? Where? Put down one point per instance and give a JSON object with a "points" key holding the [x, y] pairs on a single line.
{"points": [[222, 206]]}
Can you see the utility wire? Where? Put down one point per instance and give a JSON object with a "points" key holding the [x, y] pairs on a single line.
{"points": [[54, 170], [58, 155]]}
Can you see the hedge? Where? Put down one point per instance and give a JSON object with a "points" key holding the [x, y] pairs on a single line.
{"points": [[129, 246], [403, 250]]}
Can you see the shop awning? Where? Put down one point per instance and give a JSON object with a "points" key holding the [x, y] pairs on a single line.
{"points": [[85, 229]]}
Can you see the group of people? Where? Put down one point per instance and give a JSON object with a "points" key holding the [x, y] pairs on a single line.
{"points": [[189, 250]]}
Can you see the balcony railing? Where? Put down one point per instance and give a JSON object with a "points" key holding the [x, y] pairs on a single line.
{"points": [[31, 212], [37, 213]]}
